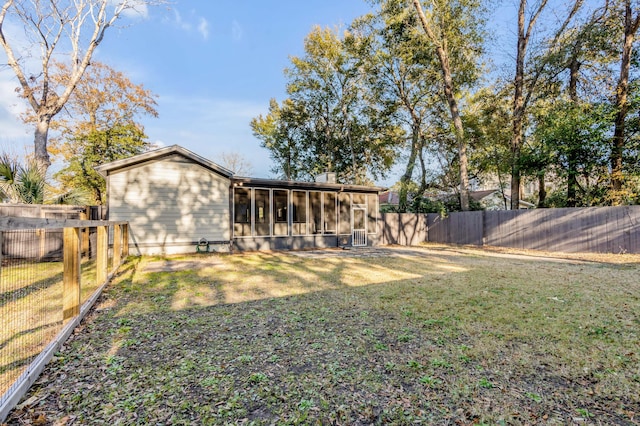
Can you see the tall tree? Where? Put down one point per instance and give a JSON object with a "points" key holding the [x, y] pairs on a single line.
{"points": [[281, 133], [327, 121], [401, 79], [571, 141], [630, 24], [75, 28], [103, 98], [523, 90], [95, 147], [455, 23], [486, 123], [99, 125], [581, 58]]}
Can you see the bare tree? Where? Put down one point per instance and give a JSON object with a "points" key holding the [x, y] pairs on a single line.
{"points": [[237, 163], [63, 30]]}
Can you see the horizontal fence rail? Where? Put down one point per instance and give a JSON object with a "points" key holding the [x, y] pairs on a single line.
{"points": [[571, 230], [51, 273], [46, 211]]}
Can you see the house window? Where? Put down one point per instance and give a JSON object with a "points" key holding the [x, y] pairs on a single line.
{"points": [[242, 212], [372, 213], [344, 209], [280, 212], [329, 218], [262, 221], [299, 221], [315, 212]]}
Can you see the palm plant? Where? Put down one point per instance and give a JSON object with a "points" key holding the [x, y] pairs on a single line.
{"points": [[27, 184]]}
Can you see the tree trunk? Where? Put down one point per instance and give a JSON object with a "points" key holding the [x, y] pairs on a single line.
{"points": [[449, 92], [519, 102], [572, 161], [423, 168], [515, 169], [622, 106], [462, 147], [542, 191], [40, 142], [518, 109], [408, 171]]}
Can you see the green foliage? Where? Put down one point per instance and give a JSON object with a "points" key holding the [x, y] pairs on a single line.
{"points": [[281, 134], [572, 142], [100, 126], [326, 124], [97, 147], [422, 204], [27, 184]]}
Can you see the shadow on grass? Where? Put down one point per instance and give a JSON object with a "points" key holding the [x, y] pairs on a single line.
{"points": [[28, 332], [25, 291], [267, 338]]}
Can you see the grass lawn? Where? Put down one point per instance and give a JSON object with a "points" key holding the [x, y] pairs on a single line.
{"points": [[431, 335]]}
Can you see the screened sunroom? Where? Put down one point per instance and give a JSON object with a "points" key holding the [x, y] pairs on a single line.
{"points": [[276, 215]]}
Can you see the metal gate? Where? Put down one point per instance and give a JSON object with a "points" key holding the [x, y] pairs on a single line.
{"points": [[359, 227]]}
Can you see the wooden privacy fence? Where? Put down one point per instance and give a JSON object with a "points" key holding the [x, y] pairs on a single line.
{"points": [[43, 300], [53, 211], [589, 229], [46, 243]]}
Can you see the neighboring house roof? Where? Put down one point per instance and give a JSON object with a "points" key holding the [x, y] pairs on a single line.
{"points": [[521, 203], [157, 154], [389, 197], [479, 195]]}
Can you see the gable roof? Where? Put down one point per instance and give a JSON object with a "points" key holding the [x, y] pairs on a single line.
{"points": [[158, 154], [479, 195]]}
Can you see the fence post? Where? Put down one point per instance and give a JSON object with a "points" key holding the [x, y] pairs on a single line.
{"points": [[102, 255], [85, 215], [117, 245], [125, 240], [71, 273]]}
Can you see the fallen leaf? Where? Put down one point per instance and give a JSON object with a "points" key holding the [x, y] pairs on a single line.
{"points": [[41, 420], [29, 402]]}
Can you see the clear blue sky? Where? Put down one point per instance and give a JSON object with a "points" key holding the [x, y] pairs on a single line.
{"points": [[214, 66]]}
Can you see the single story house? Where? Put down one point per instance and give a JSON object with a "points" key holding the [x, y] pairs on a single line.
{"points": [[179, 202]]}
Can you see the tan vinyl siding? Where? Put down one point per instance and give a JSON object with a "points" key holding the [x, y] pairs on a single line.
{"points": [[171, 200]]}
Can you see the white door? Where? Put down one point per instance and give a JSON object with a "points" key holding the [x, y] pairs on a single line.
{"points": [[358, 227]]}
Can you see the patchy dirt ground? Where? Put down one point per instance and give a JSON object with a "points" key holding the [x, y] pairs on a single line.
{"points": [[420, 335]]}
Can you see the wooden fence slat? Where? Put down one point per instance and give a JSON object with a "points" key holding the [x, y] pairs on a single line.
{"points": [[117, 246], [71, 274], [102, 254], [125, 240], [85, 215], [589, 229]]}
